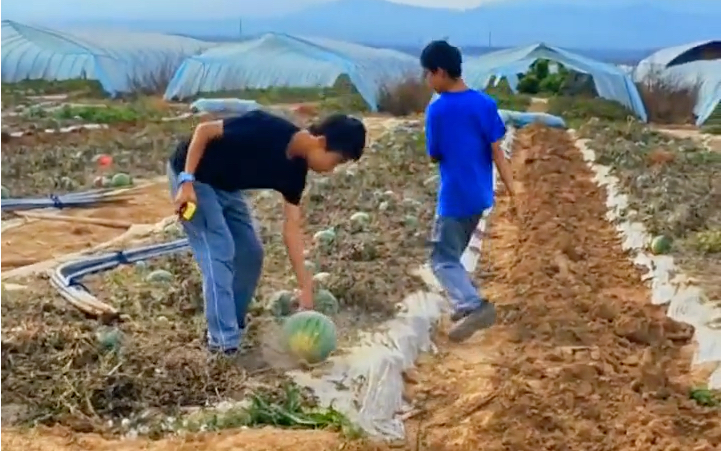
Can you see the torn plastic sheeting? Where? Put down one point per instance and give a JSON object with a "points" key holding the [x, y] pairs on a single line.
{"points": [[86, 198], [68, 129], [687, 302], [66, 276], [366, 383], [472, 253], [521, 119]]}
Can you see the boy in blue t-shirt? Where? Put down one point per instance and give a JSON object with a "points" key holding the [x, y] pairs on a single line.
{"points": [[463, 133]]}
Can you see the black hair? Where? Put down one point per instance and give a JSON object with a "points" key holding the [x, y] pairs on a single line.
{"points": [[344, 134], [440, 55]]}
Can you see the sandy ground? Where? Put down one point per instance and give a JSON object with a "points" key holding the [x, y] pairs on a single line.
{"points": [[40, 240], [712, 142]]}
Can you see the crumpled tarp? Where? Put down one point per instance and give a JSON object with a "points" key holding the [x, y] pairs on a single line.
{"points": [[280, 60], [520, 119]]}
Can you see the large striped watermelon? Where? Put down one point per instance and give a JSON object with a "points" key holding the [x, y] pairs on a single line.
{"points": [[309, 336]]}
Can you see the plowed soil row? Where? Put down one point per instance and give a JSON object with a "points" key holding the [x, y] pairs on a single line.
{"points": [[580, 359]]}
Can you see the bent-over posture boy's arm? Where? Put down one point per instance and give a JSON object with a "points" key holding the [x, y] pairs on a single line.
{"points": [[293, 239], [432, 132], [202, 135]]}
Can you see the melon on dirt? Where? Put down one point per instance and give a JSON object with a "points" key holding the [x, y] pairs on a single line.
{"points": [[309, 336], [660, 245]]}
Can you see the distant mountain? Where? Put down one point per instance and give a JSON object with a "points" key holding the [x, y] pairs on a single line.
{"points": [[622, 25], [616, 24]]}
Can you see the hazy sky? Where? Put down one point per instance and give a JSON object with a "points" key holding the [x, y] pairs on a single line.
{"points": [[63, 10]]}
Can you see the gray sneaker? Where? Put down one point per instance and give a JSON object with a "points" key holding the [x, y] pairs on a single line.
{"points": [[458, 315], [481, 318]]}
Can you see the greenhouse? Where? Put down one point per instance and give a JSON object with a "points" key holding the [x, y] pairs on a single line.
{"points": [[119, 60], [693, 65], [610, 81], [279, 60]]}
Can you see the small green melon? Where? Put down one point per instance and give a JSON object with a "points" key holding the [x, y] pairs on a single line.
{"points": [[325, 302], [411, 221], [109, 339], [660, 245], [325, 236], [281, 303], [310, 266], [5, 193], [121, 180]]}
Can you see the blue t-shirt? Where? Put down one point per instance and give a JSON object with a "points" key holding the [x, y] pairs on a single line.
{"points": [[460, 129]]}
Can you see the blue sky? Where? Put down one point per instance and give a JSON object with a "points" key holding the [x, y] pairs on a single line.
{"points": [[62, 10]]}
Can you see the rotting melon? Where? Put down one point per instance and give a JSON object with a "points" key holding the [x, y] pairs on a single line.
{"points": [[159, 276], [359, 221], [321, 278], [660, 245], [325, 302], [281, 303], [309, 336], [121, 180]]}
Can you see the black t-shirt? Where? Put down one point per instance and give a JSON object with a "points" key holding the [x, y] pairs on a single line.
{"points": [[251, 154]]}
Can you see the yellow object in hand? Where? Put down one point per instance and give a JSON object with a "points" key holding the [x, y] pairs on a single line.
{"points": [[188, 210]]}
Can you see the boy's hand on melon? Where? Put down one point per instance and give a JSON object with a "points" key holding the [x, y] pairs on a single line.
{"points": [[305, 298]]}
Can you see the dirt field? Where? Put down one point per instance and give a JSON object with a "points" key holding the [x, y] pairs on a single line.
{"points": [[580, 359]]}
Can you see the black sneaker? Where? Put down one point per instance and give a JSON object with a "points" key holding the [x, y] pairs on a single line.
{"points": [[475, 320]]}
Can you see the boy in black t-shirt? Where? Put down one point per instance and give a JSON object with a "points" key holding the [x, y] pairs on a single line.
{"points": [[256, 150]]}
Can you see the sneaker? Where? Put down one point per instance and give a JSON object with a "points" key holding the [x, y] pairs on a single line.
{"points": [[230, 352], [481, 318], [458, 315]]}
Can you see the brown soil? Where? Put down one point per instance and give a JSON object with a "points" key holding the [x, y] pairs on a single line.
{"points": [[267, 439], [580, 359], [40, 240]]}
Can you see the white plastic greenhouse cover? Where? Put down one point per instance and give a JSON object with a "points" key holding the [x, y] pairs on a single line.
{"points": [[610, 81], [112, 57], [280, 60], [676, 65]]}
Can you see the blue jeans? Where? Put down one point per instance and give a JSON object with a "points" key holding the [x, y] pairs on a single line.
{"points": [[226, 246], [449, 239]]}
